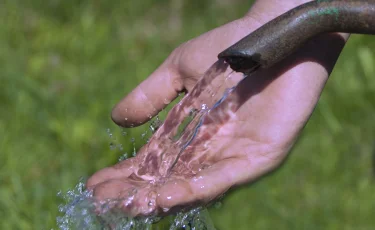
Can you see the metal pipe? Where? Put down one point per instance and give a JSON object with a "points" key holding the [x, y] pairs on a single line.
{"points": [[280, 37]]}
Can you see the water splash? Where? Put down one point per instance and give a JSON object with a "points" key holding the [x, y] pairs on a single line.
{"points": [[80, 213], [168, 143], [77, 210]]}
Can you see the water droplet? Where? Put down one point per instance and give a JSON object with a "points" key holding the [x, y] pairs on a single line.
{"points": [[218, 205], [132, 140], [124, 133], [134, 153], [109, 133], [204, 107], [126, 118], [123, 157], [166, 101], [112, 146]]}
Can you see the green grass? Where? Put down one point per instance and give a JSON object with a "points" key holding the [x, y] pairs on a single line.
{"points": [[64, 64]]}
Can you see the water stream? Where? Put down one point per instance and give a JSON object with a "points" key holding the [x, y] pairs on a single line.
{"points": [[175, 150]]}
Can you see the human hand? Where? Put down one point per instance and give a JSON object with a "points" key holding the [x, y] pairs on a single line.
{"points": [[247, 136]]}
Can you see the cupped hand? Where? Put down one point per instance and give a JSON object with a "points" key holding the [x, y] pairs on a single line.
{"points": [[242, 139]]}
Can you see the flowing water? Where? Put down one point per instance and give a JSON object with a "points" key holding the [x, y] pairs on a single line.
{"points": [[177, 150]]}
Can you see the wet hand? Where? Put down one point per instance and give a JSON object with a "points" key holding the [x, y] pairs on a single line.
{"points": [[244, 138]]}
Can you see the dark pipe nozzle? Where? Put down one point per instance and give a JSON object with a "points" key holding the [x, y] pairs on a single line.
{"points": [[280, 37]]}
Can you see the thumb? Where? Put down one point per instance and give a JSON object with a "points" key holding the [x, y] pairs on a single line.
{"points": [[148, 98]]}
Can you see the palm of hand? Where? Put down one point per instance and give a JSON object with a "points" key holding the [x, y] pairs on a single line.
{"points": [[227, 151], [246, 136], [212, 163]]}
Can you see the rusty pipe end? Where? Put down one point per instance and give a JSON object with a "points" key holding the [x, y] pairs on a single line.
{"points": [[283, 35], [240, 62]]}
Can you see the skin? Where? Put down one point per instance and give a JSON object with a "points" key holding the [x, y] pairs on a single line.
{"points": [[271, 108]]}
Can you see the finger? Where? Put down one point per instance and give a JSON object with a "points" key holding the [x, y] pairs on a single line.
{"points": [[206, 185], [121, 170], [132, 197], [140, 201], [148, 98], [110, 189]]}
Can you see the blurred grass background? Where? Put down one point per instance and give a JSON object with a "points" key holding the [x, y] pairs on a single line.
{"points": [[64, 64]]}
